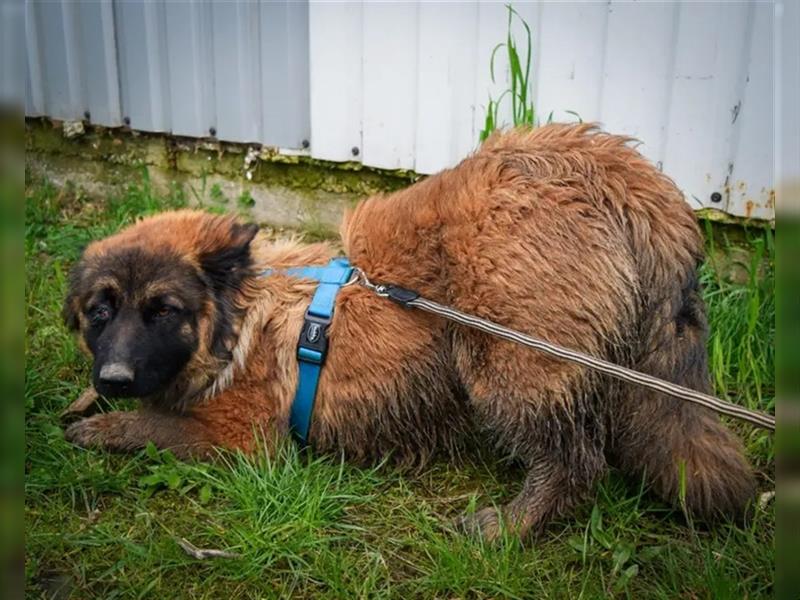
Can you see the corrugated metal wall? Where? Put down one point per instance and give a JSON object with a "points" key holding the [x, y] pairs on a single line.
{"points": [[407, 84], [404, 85], [234, 70]]}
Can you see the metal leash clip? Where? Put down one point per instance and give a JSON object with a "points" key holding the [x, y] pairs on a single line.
{"points": [[361, 279], [395, 293]]}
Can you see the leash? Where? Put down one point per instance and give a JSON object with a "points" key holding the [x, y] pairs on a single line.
{"points": [[312, 345], [409, 298]]}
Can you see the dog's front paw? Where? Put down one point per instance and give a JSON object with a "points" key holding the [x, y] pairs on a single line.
{"points": [[96, 431]]}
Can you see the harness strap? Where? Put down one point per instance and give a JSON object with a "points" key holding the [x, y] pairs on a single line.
{"points": [[312, 345]]}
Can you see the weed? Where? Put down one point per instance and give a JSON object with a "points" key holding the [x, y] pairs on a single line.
{"points": [[245, 201], [216, 194], [523, 111], [519, 91]]}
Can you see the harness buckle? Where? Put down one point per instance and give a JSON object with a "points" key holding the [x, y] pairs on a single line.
{"points": [[313, 343]]}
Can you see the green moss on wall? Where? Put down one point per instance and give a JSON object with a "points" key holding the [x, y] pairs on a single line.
{"points": [[199, 158]]}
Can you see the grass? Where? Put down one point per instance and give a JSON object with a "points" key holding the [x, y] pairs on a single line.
{"points": [[523, 111], [105, 526], [519, 91], [741, 316]]}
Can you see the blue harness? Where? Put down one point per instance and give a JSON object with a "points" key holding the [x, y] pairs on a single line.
{"points": [[312, 346]]}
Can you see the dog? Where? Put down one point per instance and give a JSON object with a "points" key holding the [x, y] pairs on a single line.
{"points": [[563, 232]]}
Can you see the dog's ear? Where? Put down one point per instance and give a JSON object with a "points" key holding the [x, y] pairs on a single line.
{"points": [[228, 259], [72, 308]]}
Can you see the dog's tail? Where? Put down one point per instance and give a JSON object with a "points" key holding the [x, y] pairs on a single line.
{"points": [[687, 456]]}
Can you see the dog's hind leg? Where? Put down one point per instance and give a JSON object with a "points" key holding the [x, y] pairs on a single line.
{"points": [[541, 414], [683, 451], [546, 492]]}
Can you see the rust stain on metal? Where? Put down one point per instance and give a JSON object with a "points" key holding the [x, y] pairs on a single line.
{"points": [[760, 205]]}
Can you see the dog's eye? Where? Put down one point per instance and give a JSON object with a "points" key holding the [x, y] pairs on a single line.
{"points": [[100, 314], [165, 311]]}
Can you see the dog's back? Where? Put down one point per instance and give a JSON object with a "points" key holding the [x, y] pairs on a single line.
{"points": [[571, 235]]}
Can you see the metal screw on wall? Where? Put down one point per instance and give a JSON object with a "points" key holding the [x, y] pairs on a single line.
{"points": [[305, 143], [87, 115], [127, 121], [212, 131], [355, 150], [716, 197]]}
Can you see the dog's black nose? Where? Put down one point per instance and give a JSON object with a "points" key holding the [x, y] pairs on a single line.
{"points": [[116, 373]]}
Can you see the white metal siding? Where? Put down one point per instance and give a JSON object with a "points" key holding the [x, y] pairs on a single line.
{"points": [[407, 84], [335, 43], [404, 85], [239, 69]]}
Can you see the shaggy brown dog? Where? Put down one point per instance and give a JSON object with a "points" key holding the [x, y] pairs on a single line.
{"points": [[562, 232]]}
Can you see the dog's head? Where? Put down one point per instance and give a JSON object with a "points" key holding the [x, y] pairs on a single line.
{"points": [[156, 296]]}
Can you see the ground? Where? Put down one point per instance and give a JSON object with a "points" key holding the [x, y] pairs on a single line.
{"points": [[104, 526]]}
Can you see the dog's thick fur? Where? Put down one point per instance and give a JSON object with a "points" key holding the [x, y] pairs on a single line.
{"points": [[563, 232]]}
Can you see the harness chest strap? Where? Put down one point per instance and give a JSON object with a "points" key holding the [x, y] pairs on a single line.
{"points": [[312, 346]]}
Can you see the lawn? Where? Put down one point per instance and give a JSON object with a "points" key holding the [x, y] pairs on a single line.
{"points": [[106, 526]]}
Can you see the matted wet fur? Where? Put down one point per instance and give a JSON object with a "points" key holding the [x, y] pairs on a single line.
{"points": [[563, 232]]}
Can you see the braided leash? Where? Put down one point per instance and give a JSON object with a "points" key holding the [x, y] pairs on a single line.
{"points": [[409, 298]]}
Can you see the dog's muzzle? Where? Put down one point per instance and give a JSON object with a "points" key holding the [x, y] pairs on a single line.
{"points": [[116, 374]]}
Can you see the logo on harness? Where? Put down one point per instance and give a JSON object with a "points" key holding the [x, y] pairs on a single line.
{"points": [[313, 332]]}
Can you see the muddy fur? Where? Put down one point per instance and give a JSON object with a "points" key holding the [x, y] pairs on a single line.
{"points": [[564, 232]]}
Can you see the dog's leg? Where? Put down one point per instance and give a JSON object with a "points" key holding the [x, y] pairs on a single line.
{"points": [[127, 431], [684, 452], [542, 414], [546, 492], [561, 451]]}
